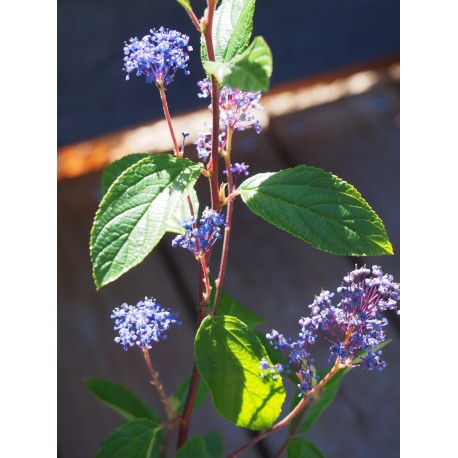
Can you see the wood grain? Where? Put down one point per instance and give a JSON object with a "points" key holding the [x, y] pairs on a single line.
{"points": [[271, 272]]}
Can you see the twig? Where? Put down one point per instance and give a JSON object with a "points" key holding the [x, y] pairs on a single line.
{"points": [[156, 382]]}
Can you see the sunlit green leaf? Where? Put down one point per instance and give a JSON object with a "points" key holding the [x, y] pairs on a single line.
{"points": [[249, 71], [227, 356], [232, 29], [319, 208], [139, 207]]}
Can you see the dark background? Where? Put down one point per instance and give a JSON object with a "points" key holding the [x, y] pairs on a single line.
{"points": [[306, 37]]}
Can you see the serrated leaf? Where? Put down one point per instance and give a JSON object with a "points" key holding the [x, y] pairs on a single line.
{"points": [[229, 306], [300, 447], [134, 439], [116, 168], [319, 208], [186, 4], [182, 212], [193, 448], [138, 209], [120, 399], [249, 71], [232, 29], [214, 445], [179, 398], [203, 50], [227, 356]]}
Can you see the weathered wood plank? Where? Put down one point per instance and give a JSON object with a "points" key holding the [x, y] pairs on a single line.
{"points": [[86, 346], [276, 275], [357, 139]]}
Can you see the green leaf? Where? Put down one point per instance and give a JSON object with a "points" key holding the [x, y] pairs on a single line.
{"points": [[121, 400], [229, 306], [214, 445], [193, 448], [182, 212], [186, 4], [134, 439], [249, 71], [116, 168], [299, 447], [232, 29], [319, 208], [227, 356], [140, 206], [179, 398]]}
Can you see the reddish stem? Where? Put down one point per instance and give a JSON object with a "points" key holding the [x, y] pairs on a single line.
{"points": [[191, 207], [187, 411], [292, 432], [227, 230], [206, 281], [156, 382], [208, 37], [195, 377], [169, 119], [213, 178], [194, 19]]}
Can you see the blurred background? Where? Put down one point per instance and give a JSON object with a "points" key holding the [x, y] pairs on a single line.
{"points": [[334, 104]]}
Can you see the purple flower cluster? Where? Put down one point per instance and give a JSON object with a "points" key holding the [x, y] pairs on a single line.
{"points": [[274, 369], [237, 170], [199, 239], [297, 354], [203, 144], [354, 327], [235, 106], [235, 112], [157, 56], [143, 323]]}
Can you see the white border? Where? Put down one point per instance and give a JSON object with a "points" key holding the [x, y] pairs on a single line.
{"points": [[429, 207], [28, 185]]}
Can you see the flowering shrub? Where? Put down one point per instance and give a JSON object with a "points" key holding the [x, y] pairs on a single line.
{"points": [[146, 196]]}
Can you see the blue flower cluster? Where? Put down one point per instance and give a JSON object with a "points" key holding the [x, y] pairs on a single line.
{"points": [[199, 239], [157, 56], [354, 327], [357, 318], [274, 369], [203, 144], [235, 112], [237, 170], [143, 323], [235, 106], [297, 353]]}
